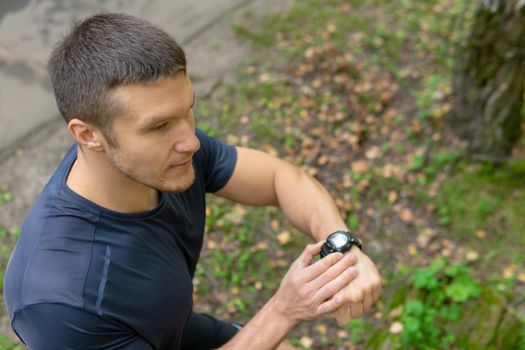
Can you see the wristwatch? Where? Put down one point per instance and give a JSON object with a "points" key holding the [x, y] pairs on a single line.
{"points": [[340, 241]]}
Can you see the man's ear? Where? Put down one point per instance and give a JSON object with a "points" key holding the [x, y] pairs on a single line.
{"points": [[87, 135]]}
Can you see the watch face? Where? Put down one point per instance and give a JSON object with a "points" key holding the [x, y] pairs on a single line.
{"points": [[338, 240]]}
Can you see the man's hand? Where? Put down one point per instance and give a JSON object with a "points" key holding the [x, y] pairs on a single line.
{"points": [[362, 293], [310, 291]]}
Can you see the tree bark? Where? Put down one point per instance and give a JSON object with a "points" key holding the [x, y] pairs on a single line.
{"points": [[489, 80]]}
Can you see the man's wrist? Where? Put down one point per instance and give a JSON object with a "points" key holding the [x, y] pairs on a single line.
{"points": [[279, 316], [322, 233]]}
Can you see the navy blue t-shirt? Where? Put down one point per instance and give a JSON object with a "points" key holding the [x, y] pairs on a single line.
{"points": [[85, 277]]}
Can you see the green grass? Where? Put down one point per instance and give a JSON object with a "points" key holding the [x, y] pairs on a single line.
{"points": [[6, 344], [489, 198]]}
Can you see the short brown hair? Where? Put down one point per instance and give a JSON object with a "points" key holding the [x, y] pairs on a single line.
{"points": [[105, 51]]}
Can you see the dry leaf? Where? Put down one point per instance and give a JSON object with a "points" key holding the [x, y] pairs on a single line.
{"points": [[396, 312], [509, 271], [373, 152], [406, 215], [472, 255], [321, 329], [480, 234], [392, 197], [322, 160], [425, 237], [342, 334], [284, 237], [262, 246], [396, 327], [306, 342], [446, 252], [244, 119], [360, 166], [347, 181], [265, 77], [363, 185], [211, 244]]}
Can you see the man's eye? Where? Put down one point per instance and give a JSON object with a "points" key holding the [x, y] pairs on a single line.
{"points": [[160, 127]]}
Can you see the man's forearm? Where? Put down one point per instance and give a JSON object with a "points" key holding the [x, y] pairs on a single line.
{"points": [[306, 203], [265, 331]]}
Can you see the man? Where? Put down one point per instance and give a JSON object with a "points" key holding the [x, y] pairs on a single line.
{"points": [[107, 253]]}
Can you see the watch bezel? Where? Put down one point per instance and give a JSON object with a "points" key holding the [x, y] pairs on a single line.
{"points": [[328, 247]]}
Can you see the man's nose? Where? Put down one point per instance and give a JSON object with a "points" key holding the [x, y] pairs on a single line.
{"points": [[188, 143]]}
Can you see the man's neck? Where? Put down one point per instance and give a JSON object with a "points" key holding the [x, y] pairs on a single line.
{"points": [[95, 179]]}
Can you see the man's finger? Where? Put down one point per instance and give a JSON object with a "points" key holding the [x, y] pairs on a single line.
{"points": [[330, 305], [376, 292], [328, 268], [331, 288], [356, 309], [368, 301], [342, 315], [308, 254], [319, 267]]}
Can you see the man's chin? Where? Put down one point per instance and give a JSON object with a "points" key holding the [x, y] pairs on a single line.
{"points": [[179, 184]]}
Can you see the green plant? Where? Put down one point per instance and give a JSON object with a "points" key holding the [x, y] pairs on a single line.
{"points": [[430, 299]]}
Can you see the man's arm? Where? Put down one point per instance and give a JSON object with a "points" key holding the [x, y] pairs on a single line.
{"points": [[306, 293], [260, 179]]}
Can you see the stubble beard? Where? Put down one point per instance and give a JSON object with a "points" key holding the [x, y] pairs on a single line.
{"points": [[151, 178]]}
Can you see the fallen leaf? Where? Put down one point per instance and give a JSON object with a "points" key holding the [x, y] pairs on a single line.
{"points": [[396, 327], [265, 77], [244, 119], [392, 196], [360, 166], [306, 342], [211, 244], [509, 271], [342, 334], [425, 236], [347, 181], [283, 237], [373, 152], [322, 160], [480, 234], [446, 252], [406, 215], [472, 255], [262, 246], [321, 329], [363, 185], [396, 312]]}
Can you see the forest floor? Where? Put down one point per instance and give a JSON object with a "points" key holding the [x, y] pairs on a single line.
{"points": [[358, 93]]}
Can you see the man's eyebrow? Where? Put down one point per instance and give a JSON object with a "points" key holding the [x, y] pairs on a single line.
{"points": [[161, 118]]}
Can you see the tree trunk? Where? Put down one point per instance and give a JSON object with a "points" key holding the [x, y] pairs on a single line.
{"points": [[489, 80]]}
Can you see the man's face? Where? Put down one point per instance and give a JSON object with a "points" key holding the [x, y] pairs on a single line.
{"points": [[155, 136]]}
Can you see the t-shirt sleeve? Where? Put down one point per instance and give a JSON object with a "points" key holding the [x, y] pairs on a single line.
{"points": [[57, 326], [219, 161]]}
